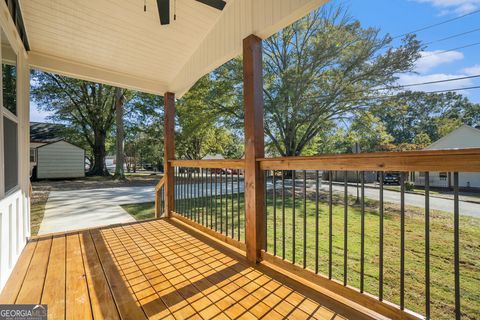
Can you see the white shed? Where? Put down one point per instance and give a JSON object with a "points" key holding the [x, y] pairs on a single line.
{"points": [[60, 160], [461, 138]]}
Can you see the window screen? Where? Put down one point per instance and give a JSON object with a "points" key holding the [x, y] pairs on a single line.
{"points": [[10, 141], [10, 88]]}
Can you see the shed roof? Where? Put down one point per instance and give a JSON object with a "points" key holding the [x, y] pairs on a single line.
{"points": [[46, 132], [116, 42]]}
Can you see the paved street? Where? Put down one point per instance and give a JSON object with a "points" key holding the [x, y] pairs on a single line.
{"points": [[72, 210], [416, 200]]}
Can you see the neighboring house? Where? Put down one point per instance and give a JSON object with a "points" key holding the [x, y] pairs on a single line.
{"points": [[462, 137], [51, 157]]}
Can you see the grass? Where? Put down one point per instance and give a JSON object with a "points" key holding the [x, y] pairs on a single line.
{"points": [[441, 246], [140, 211], [37, 210]]}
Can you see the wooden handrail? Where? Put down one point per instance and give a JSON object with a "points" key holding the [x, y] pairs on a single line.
{"points": [[460, 160], [228, 164], [160, 185]]}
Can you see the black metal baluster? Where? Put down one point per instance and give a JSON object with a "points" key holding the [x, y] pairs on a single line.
{"points": [[238, 205], [199, 194], [304, 219], [380, 267], [283, 214], [232, 207], [226, 202], [293, 217], [211, 199], [207, 198], [184, 203], [274, 215], [191, 199], [345, 229], [317, 190], [265, 214], [427, 245], [330, 222], [202, 196], [216, 200], [362, 231], [456, 244], [402, 240], [175, 190], [221, 202], [195, 199]]}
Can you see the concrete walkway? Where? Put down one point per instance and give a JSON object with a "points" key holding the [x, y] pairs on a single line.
{"points": [[80, 209]]}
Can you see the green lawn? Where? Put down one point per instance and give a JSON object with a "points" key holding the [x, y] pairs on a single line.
{"points": [[141, 211], [441, 244]]}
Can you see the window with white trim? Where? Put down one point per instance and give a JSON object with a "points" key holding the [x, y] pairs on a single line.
{"points": [[33, 157], [8, 114]]}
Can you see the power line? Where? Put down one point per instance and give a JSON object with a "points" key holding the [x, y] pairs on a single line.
{"points": [[452, 36], [437, 24], [450, 50], [429, 82], [384, 97]]}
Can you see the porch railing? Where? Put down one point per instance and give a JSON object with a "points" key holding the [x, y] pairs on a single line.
{"points": [[355, 244], [335, 221], [210, 194]]}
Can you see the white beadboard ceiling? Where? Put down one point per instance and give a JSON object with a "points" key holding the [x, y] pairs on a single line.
{"points": [[116, 42]]}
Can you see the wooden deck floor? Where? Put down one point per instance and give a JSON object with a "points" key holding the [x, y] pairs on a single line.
{"points": [[157, 270]]}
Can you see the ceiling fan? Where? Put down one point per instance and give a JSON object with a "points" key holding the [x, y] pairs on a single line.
{"points": [[164, 8]]}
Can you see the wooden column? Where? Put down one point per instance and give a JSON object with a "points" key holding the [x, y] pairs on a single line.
{"points": [[254, 146], [169, 151]]}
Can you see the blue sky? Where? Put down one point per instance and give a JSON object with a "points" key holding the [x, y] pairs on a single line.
{"points": [[397, 17]]}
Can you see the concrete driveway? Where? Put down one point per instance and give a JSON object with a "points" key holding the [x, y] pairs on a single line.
{"points": [[80, 209]]}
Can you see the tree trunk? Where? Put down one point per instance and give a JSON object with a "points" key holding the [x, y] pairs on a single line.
{"points": [[120, 157], [99, 168]]}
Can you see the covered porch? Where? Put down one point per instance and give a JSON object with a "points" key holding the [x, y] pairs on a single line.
{"points": [[210, 252]]}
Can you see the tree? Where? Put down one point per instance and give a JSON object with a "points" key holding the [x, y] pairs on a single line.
{"points": [[369, 132], [317, 72], [144, 131], [88, 108], [202, 129], [408, 115], [120, 136], [321, 69]]}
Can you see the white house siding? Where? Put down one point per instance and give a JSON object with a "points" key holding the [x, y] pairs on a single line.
{"points": [[60, 160], [15, 204], [461, 138]]}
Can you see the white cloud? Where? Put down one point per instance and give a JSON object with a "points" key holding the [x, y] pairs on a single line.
{"points": [[406, 79], [37, 115], [432, 59], [474, 70], [458, 7]]}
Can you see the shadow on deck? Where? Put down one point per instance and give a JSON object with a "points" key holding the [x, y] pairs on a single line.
{"points": [[159, 269]]}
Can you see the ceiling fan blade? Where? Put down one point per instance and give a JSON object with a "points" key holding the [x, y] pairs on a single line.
{"points": [[164, 11], [217, 4]]}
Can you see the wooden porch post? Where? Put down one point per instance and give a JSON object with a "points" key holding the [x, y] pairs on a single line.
{"points": [[254, 146], [169, 151]]}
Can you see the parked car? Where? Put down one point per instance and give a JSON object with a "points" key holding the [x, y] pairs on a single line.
{"points": [[391, 178], [221, 171]]}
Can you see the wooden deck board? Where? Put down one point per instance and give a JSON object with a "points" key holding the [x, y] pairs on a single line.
{"points": [[15, 282], [32, 288], [155, 270], [54, 288], [77, 296]]}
